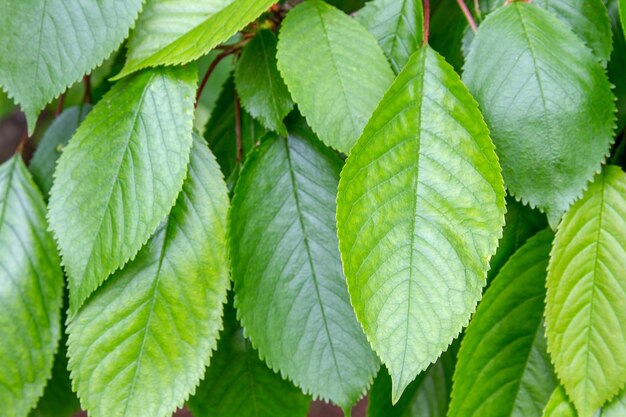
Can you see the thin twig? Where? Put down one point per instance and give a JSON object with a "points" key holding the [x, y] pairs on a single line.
{"points": [[238, 129], [59, 108], [468, 15], [22, 143], [426, 21], [87, 97], [209, 71]]}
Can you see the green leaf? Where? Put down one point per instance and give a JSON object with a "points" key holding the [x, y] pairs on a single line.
{"points": [[173, 32], [120, 174], [616, 65], [220, 131], [420, 210], [342, 76], [239, 384], [586, 18], [447, 30], [616, 408], [49, 148], [622, 14], [503, 368], [547, 102], [140, 344], [559, 405], [262, 91], [31, 285], [289, 289], [585, 309], [427, 396], [521, 222], [47, 45], [398, 26]]}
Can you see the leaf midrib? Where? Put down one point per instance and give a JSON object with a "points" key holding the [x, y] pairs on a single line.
{"points": [[305, 238]]}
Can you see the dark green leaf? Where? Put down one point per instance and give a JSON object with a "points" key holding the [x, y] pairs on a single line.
{"points": [[585, 308], [447, 29], [337, 73], [547, 102], [397, 25], [140, 344], [49, 149], [289, 289], [47, 45], [120, 174], [259, 84], [31, 285], [617, 64], [503, 368], [420, 211], [239, 384]]}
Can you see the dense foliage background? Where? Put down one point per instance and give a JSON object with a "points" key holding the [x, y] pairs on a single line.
{"points": [[238, 207]]}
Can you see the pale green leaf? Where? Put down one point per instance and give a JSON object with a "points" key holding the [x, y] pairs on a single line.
{"points": [[547, 102], [586, 18], [427, 396], [559, 405], [47, 45], [616, 408], [585, 308], [239, 384], [140, 344], [120, 174], [221, 135], [622, 14], [43, 162], [397, 25], [521, 222], [31, 285], [420, 210], [503, 368], [262, 91], [289, 289], [336, 73], [173, 32]]}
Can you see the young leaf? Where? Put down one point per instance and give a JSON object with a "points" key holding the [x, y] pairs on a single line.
{"points": [[427, 396], [503, 368], [342, 76], [31, 285], [262, 91], [521, 222], [559, 405], [221, 134], [289, 289], [140, 344], [420, 210], [586, 18], [120, 174], [176, 32], [585, 309], [239, 384], [47, 45], [547, 102], [43, 162], [397, 25]]}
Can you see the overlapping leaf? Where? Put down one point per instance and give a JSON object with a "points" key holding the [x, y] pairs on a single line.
{"points": [[238, 383], [31, 286], [503, 368], [398, 25], [616, 408], [120, 174], [559, 405], [341, 77], [289, 289], [49, 149], [547, 102], [140, 344], [420, 210], [171, 32], [585, 309], [47, 45], [262, 91], [622, 14]]}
